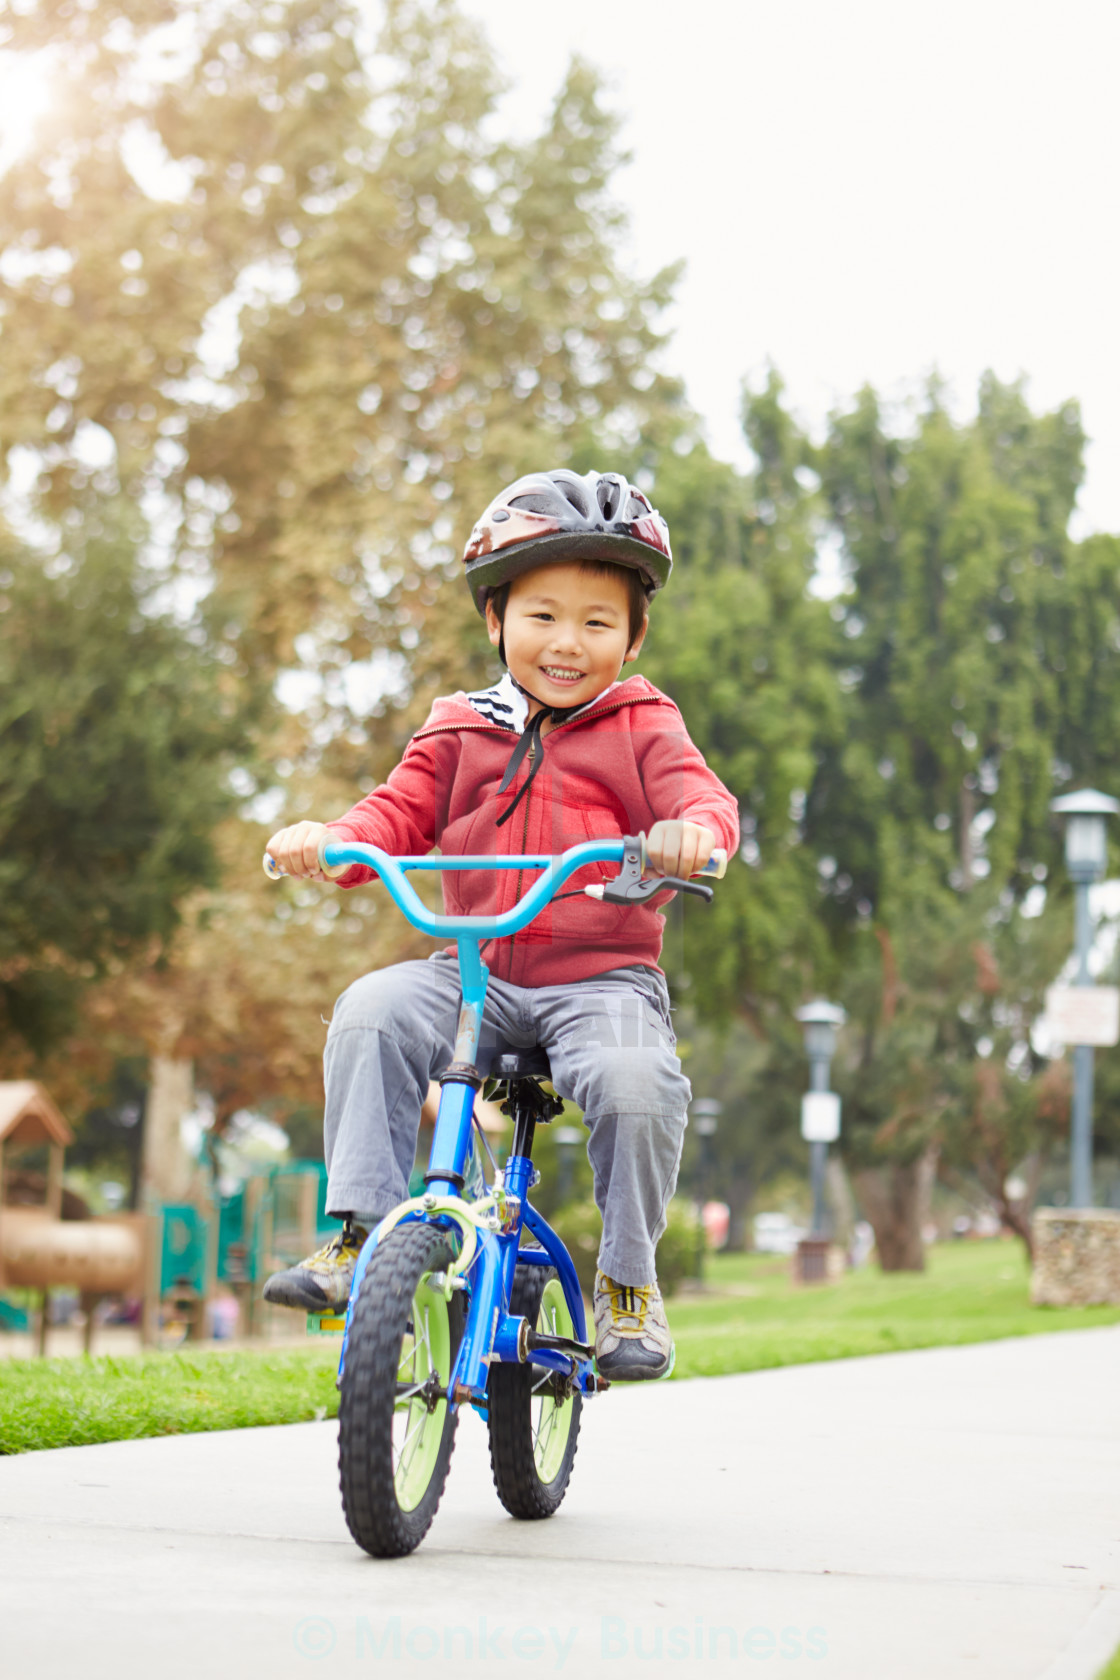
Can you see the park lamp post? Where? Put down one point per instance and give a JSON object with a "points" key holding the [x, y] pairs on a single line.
{"points": [[705, 1117], [706, 1112], [820, 1107], [1086, 857]]}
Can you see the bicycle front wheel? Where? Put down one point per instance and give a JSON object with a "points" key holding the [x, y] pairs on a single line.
{"points": [[395, 1432], [533, 1421]]}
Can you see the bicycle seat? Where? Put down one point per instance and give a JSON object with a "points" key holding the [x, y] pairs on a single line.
{"points": [[530, 1063]]}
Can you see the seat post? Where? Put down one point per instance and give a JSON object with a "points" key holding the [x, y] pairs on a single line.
{"points": [[529, 1106], [524, 1111]]}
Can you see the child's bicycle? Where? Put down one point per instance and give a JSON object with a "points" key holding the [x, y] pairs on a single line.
{"points": [[465, 1295]]}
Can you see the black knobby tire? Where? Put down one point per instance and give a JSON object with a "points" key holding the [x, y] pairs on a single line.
{"points": [[533, 1430], [388, 1506]]}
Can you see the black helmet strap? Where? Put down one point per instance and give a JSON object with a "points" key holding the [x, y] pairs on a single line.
{"points": [[530, 743]]}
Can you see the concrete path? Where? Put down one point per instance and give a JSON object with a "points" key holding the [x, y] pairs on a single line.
{"points": [[917, 1516]]}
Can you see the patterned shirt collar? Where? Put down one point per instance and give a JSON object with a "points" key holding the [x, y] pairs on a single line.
{"points": [[505, 705]]}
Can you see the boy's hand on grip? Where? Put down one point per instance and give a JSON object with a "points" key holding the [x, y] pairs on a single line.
{"points": [[679, 848], [296, 850]]}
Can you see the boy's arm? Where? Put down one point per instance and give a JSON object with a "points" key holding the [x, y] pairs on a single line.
{"points": [[402, 815], [679, 786]]}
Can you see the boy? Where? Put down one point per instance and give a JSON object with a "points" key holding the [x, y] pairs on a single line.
{"points": [[562, 569]]}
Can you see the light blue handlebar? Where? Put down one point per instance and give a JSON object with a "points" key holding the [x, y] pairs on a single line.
{"points": [[555, 872], [336, 856]]}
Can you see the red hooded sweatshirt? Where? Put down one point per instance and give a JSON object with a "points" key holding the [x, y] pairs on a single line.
{"points": [[624, 763]]}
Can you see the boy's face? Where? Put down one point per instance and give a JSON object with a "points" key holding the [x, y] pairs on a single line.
{"points": [[567, 632]]}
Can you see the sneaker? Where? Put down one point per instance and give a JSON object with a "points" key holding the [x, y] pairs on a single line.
{"points": [[322, 1280], [632, 1339]]}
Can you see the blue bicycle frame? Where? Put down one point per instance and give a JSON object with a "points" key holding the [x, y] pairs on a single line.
{"points": [[490, 1332]]}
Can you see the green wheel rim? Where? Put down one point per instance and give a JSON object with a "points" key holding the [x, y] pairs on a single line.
{"points": [[551, 1418], [418, 1432]]}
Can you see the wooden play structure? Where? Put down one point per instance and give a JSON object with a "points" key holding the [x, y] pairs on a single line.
{"points": [[115, 1254], [191, 1245], [174, 1258]]}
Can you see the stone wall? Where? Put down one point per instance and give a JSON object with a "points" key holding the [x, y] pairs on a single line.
{"points": [[1076, 1257]]}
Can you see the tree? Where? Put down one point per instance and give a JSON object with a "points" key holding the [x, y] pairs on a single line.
{"points": [[411, 312], [414, 311], [256, 969], [938, 1069], [980, 679], [970, 656], [118, 732], [746, 652]]}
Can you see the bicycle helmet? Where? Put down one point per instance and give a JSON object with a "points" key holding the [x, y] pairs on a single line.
{"points": [[558, 515]]}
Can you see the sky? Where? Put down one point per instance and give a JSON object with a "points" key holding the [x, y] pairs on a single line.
{"points": [[864, 191]]}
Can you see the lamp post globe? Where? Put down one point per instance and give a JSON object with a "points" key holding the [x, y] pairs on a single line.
{"points": [[1085, 813], [821, 1021], [1086, 839], [706, 1111]]}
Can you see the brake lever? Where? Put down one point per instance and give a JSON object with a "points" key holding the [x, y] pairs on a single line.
{"points": [[628, 887], [700, 888], [640, 892]]}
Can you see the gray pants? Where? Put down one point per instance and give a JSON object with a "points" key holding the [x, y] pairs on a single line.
{"points": [[611, 1048]]}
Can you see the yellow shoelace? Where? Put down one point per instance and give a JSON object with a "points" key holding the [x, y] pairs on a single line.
{"points": [[629, 1300], [337, 1247]]}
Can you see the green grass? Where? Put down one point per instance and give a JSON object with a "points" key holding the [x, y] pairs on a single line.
{"points": [[751, 1316], [73, 1402]]}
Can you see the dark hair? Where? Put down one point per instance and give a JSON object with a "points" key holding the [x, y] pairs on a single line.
{"points": [[637, 598]]}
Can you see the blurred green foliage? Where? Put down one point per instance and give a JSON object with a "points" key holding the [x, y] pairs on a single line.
{"points": [[278, 281], [894, 750], [118, 730]]}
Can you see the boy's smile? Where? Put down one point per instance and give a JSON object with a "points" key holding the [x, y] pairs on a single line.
{"points": [[567, 632]]}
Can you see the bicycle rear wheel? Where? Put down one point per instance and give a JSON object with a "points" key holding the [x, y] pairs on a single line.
{"points": [[395, 1432], [533, 1422]]}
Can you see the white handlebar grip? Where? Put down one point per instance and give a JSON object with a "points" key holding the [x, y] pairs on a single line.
{"points": [[716, 865], [274, 872], [335, 870]]}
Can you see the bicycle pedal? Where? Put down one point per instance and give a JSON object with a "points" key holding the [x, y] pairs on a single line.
{"points": [[326, 1324], [559, 1344]]}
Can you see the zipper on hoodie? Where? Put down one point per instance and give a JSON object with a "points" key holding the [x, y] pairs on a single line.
{"points": [[524, 843], [498, 729], [617, 705]]}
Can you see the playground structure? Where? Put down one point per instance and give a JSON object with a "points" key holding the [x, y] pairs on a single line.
{"points": [[173, 1258], [176, 1257], [108, 1255]]}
